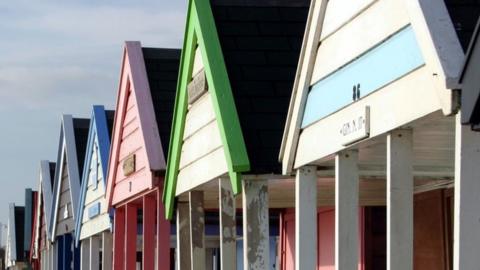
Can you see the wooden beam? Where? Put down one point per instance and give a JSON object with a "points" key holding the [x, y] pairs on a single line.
{"points": [[94, 253], [346, 210], [149, 226], [107, 242], [85, 254], [197, 230], [256, 242], [183, 236], [119, 239], [131, 212], [306, 218], [400, 200], [163, 235], [467, 198], [228, 225]]}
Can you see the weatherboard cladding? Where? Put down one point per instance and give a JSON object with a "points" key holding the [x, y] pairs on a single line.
{"points": [[261, 42], [162, 72], [464, 15]]}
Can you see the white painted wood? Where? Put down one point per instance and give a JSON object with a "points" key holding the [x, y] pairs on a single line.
{"points": [[95, 226], [228, 225], [382, 19], [467, 198], [209, 167], [197, 230], [94, 253], [399, 200], [85, 254], [199, 114], [183, 251], [302, 84], [306, 218], [395, 105], [256, 243], [340, 12], [107, 250], [197, 62], [346, 210]]}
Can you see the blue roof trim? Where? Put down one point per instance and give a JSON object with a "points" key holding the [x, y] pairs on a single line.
{"points": [[99, 130]]}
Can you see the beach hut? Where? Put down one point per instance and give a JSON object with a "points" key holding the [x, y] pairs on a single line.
{"points": [[29, 225], [93, 226], [41, 254], [66, 191], [140, 137], [374, 119], [14, 258], [236, 75]]}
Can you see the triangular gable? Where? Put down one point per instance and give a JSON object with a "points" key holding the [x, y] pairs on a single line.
{"points": [[95, 168], [201, 31], [67, 177], [429, 24], [139, 129]]}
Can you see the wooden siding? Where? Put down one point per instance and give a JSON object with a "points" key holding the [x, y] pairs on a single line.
{"points": [[64, 224], [203, 156]]}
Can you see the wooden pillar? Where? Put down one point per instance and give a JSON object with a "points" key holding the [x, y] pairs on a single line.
{"points": [[107, 242], [306, 218], [467, 198], [163, 235], [197, 230], [119, 239], [149, 225], [183, 236], [346, 210], [256, 242], [131, 236], [85, 254], [400, 200], [94, 253], [228, 226]]}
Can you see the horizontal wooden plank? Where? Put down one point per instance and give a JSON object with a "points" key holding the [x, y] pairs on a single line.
{"points": [[134, 184], [199, 114], [141, 163], [197, 62], [95, 226], [381, 19], [94, 194]]}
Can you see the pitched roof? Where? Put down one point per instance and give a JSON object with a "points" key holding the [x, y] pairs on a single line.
{"points": [[464, 15]]}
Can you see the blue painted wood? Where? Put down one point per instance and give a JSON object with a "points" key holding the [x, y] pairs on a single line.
{"points": [[60, 258], [94, 210], [67, 251], [386, 62]]}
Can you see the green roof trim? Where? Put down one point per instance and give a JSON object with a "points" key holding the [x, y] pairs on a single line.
{"points": [[201, 29]]}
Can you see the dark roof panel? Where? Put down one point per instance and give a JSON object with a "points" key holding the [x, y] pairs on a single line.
{"points": [[110, 118], [81, 127], [464, 15], [52, 173], [162, 71], [261, 42], [19, 231]]}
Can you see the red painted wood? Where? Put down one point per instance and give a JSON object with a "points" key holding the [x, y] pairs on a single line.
{"points": [[163, 234], [149, 218], [119, 239], [130, 236]]}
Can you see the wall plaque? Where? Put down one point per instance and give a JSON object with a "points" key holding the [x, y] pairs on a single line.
{"points": [[129, 165], [197, 87], [357, 127]]}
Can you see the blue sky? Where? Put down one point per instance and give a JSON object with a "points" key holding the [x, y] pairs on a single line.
{"points": [[63, 57]]}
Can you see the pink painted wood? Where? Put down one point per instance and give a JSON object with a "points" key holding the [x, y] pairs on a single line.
{"points": [[130, 236], [119, 239], [135, 131], [163, 234], [149, 218]]}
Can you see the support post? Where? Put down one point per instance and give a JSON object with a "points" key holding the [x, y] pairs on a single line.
{"points": [[306, 218], [107, 242], [256, 242], [131, 236], [228, 226], [346, 210], [400, 200], [85, 254], [149, 218], [163, 235], [183, 236], [94, 253], [467, 198], [197, 230], [119, 239]]}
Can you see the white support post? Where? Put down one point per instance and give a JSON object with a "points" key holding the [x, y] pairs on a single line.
{"points": [[228, 226], [346, 210], [400, 200], [197, 230], [85, 254], [107, 247], [256, 242], [94, 253], [306, 218], [183, 236], [467, 198]]}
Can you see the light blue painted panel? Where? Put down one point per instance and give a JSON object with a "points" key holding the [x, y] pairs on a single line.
{"points": [[385, 63]]}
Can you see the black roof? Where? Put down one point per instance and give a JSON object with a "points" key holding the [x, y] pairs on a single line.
{"points": [[52, 173], [261, 42], [162, 70], [19, 231], [464, 15], [110, 114], [81, 127]]}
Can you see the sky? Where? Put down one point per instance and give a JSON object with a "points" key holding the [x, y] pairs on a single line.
{"points": [[61, 57]]}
